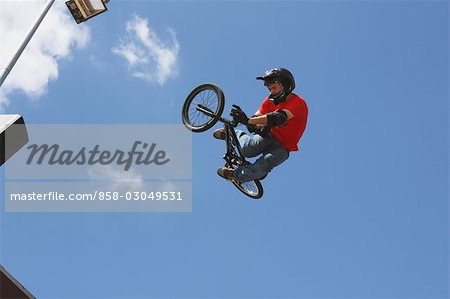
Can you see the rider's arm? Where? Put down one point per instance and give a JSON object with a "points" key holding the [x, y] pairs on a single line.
{"points": [[260, 119]]}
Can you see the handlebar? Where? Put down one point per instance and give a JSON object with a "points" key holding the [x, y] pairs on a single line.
{"points": [[205, 110]]}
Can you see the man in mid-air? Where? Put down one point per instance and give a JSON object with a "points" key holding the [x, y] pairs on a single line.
{"points": [[279, 124]]}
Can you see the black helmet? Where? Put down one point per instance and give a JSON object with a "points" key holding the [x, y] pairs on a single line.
{"points": [[282, 76]]}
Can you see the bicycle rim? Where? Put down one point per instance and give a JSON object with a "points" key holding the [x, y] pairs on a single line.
{"points": [[207, 95], [252, 189]]}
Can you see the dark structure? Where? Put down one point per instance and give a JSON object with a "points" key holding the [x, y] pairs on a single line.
{"points": [[13, 135], [10, 288]]}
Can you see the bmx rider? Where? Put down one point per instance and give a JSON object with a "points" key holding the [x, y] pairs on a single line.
{"points": [[278, 125]]}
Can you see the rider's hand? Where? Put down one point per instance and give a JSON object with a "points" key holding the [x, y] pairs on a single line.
{"points": [[239, 115], [264, 131], [252, 128]]}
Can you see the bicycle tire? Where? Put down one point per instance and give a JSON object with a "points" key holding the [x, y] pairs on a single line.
{"points": [[211, 96], [245, 188]]}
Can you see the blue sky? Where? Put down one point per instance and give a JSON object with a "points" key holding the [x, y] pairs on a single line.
{"points": [[361, 211]]}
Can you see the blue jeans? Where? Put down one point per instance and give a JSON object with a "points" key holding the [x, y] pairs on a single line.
{"points": [[273, 154]]}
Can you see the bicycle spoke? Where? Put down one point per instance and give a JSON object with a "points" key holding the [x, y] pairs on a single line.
{"points": [[206, 98], [249, 187], [209, 96]]}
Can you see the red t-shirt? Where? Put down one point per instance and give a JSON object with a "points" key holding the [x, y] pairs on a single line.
{"points": [[289, 134]]}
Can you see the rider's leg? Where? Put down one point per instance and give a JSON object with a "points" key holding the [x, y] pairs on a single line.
{"points": [[253, 145], [263, 165]]}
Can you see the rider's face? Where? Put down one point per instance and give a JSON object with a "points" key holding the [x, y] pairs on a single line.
{"points": [[274, 88]]}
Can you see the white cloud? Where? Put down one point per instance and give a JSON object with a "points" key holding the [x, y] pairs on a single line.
{"points": [[121, 180], [148, 57], [54, 40]]}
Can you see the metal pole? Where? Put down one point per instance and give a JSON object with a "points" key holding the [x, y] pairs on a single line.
{"points": [[5, 72]]}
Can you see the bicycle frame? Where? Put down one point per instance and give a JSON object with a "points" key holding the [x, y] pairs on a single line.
{"points": [[230, 135]]}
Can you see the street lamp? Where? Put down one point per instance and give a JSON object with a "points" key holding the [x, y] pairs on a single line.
{"points": [[83, 10], [13, 133]]}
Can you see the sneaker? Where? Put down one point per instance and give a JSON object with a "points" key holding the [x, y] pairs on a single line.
{"points": [[226, 173], [219, 134]]}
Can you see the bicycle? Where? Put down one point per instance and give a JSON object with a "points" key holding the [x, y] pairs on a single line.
{"points": [[202, 109]]}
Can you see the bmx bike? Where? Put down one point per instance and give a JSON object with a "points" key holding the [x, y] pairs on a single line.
{"points": [[203, 109]]}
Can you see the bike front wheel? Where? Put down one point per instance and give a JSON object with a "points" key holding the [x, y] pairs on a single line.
{"points": [[253, 189], [208, 96]]}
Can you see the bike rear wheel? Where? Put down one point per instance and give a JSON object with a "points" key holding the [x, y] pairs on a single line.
{"points": [[253, 189], [209, 96]]}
